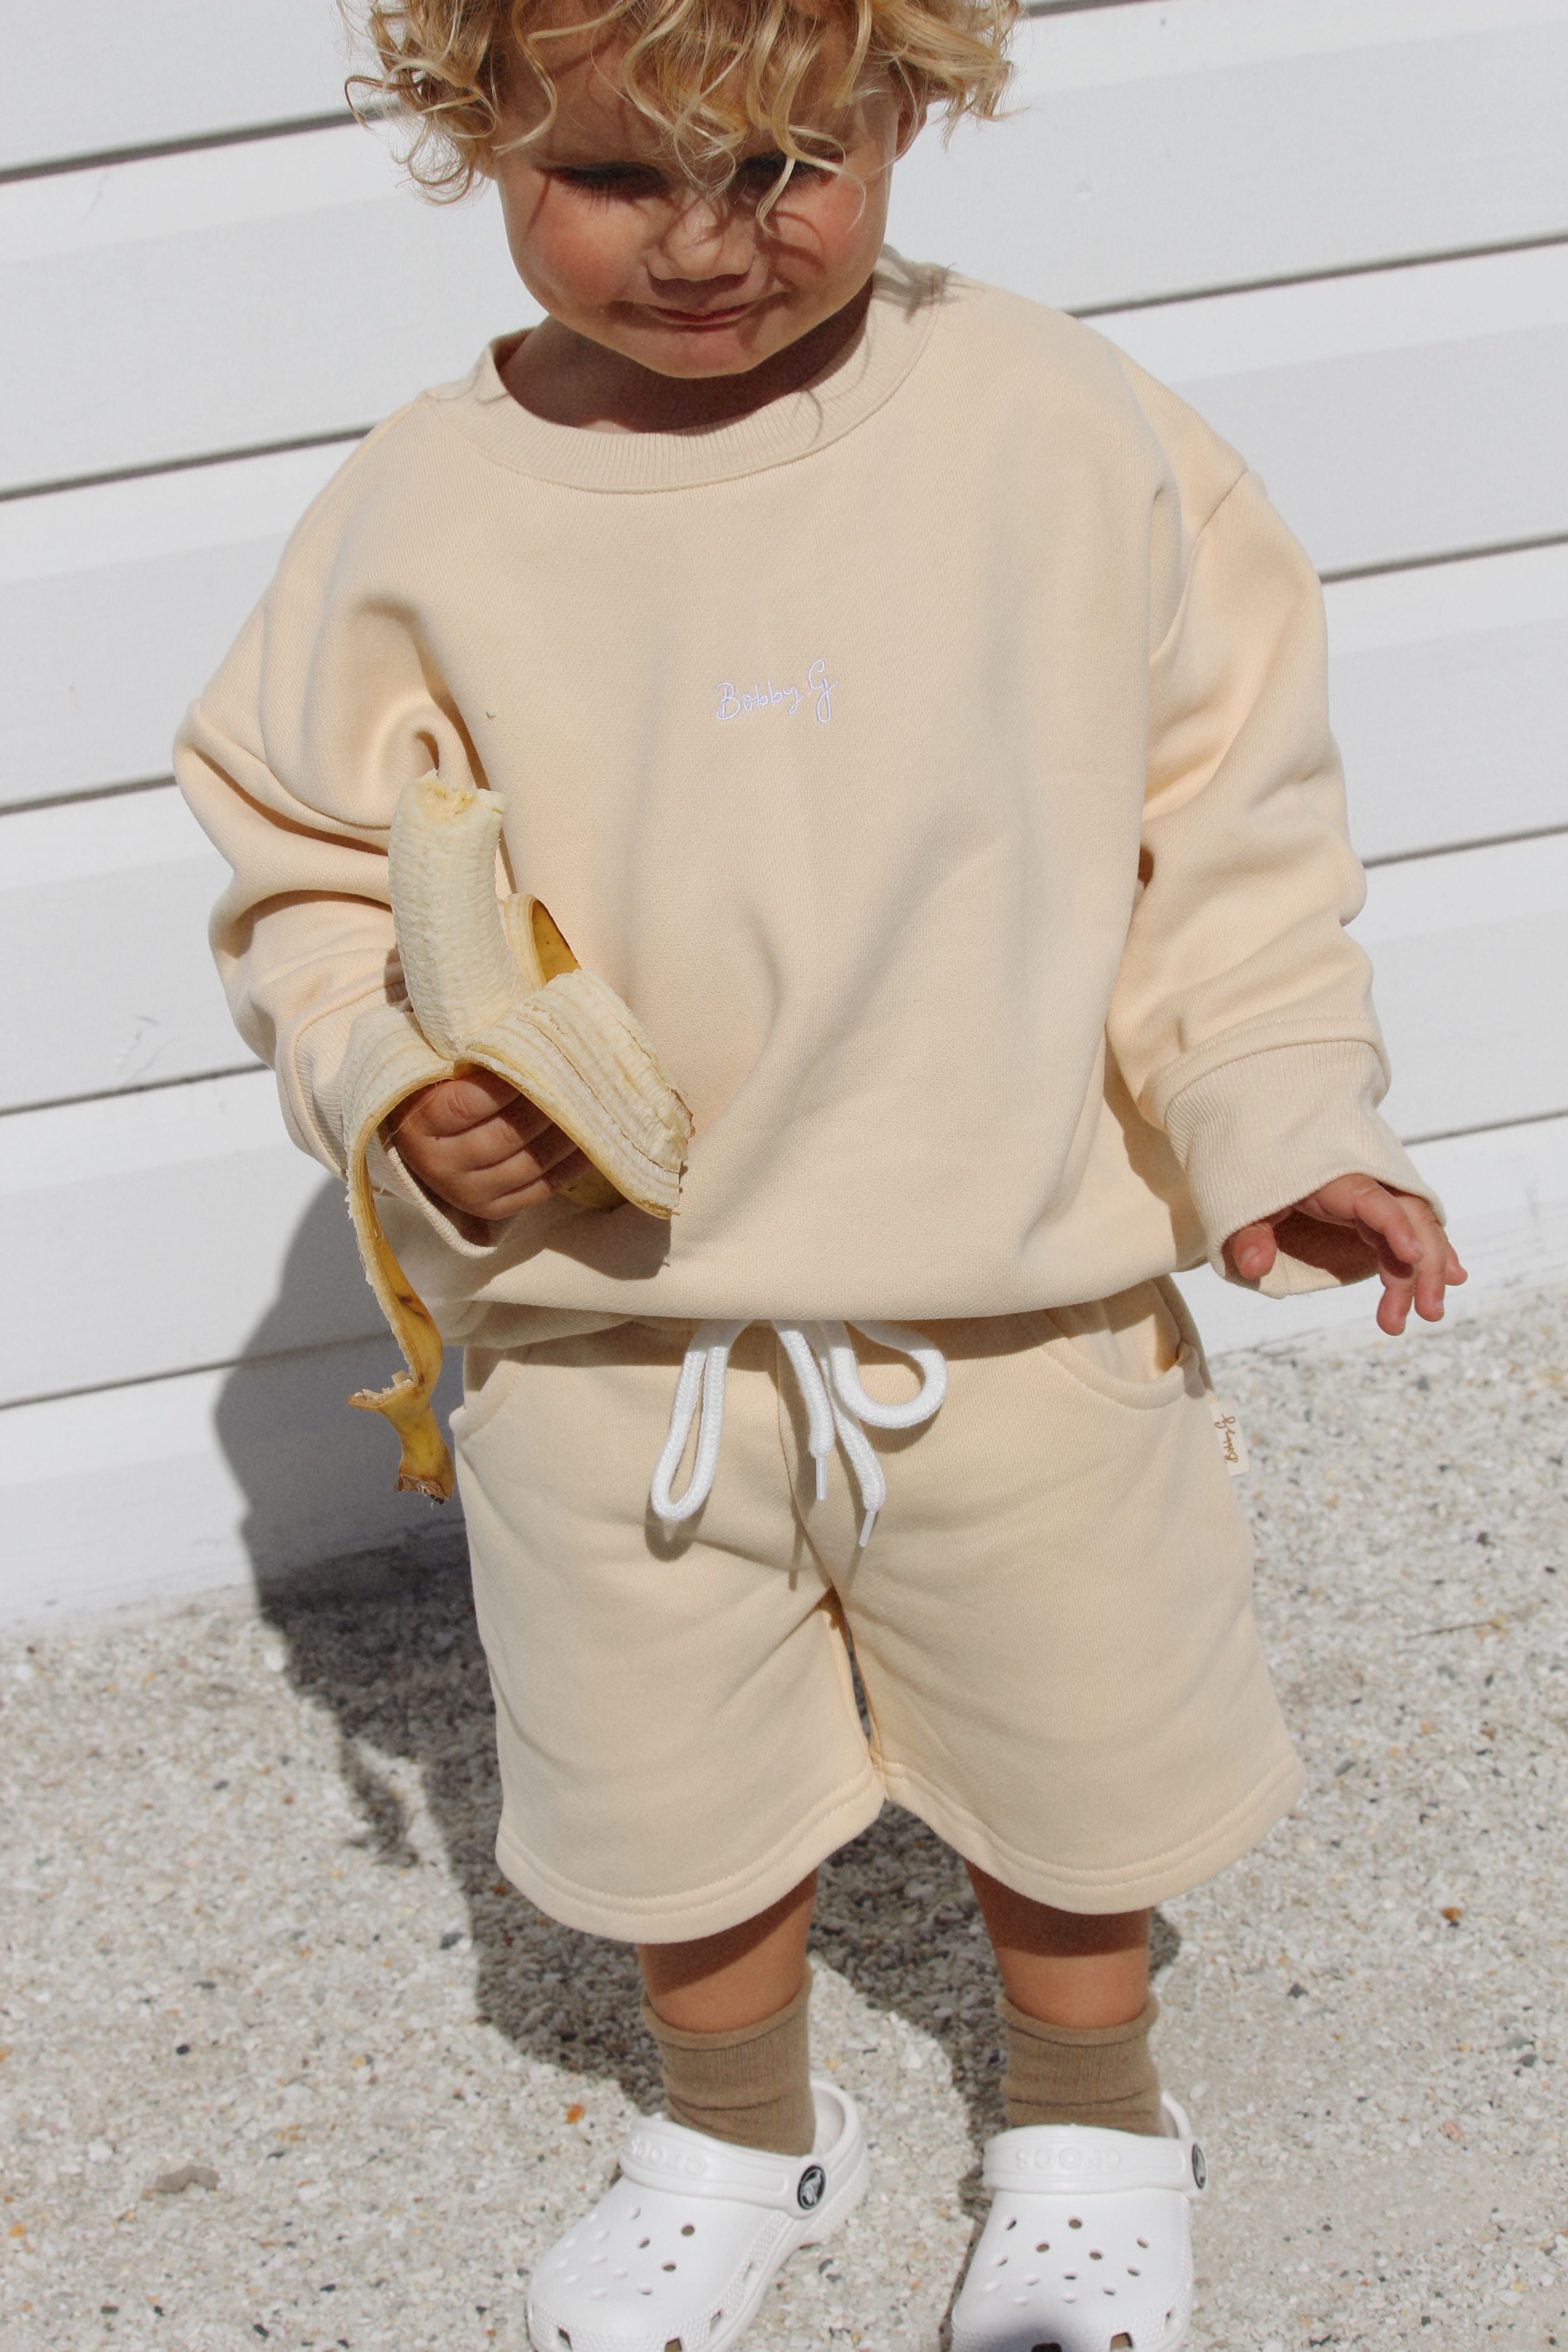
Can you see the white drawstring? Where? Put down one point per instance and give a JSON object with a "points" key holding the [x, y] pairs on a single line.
{"points": [[701, 1377], [836, 1404]]}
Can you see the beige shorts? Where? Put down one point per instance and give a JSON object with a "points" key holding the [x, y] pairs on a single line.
{"points": [[1052, 1623]]}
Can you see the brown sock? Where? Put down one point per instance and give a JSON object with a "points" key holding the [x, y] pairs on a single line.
{"points": [[752, 2086], [1072, 2074]]}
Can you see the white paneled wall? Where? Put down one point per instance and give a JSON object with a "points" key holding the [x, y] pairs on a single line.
{"points": [[1339, 226]]}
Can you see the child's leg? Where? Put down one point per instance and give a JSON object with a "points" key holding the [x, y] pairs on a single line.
{"points": [[729, 2014], [1065, 1968], [1078, 2009]]}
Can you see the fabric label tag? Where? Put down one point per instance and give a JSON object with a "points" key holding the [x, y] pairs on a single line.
{"points": [[1228, 1429]]}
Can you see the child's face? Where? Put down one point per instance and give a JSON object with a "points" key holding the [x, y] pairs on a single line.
{"points": [[614, 243]]}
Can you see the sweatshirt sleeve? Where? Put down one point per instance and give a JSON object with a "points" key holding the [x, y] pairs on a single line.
{"points": [[299, 799], [302, 934], [1242, 1018]]}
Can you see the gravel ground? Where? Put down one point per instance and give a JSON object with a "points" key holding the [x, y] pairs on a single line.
{"points": [[289, 2065]]}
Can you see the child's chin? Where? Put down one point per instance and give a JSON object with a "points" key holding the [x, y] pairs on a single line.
{"points": [[694, 357]]}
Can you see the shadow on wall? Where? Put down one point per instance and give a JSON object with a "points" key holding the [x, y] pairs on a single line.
{"points": [[380, 1632], [317, 1477]]}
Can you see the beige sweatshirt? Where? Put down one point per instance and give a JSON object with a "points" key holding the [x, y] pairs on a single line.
{"points": [[936, 761]]}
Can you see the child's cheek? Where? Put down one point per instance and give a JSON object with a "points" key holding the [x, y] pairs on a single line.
{"points": [[833, 225], [573, 252], [603, 251]]}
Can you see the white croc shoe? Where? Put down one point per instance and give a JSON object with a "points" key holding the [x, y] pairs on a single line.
{"points": [[1088, 2246], [683, 2245]]}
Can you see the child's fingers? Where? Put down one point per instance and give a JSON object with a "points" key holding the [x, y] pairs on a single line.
{"points": [[521, 1130], [453, 1106], [1415, 1256], [485, 1172], [533, 1193], [1393, 1307], [1253, 1250]]}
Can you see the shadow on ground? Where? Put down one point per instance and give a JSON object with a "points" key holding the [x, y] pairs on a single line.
{"points": [[394, 1656]]}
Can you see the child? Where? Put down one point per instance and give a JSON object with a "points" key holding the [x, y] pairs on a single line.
{"points": [[917, 715]]}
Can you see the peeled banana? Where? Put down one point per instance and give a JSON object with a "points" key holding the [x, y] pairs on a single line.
{"points": [[492, 985]]}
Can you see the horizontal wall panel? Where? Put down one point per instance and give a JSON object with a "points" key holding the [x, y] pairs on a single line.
{"points": [[1395, 417], [1451, 701], [213, 1479], [252, 295], [117, 603], [1412, 414], [220, 1478], [1448, 691], [166, 1230], [99, 75], [104, 968], [1470, 953], [1450, 683], [241, 1244], [1157, 150]]}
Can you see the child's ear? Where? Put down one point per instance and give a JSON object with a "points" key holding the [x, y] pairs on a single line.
{"points": [[912, 113]]}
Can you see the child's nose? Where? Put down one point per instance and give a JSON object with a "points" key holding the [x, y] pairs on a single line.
{"points": [[708, 237]]}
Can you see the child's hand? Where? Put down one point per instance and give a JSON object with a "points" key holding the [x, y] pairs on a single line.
{"points": [[1415, 1257], [481, 1147]]}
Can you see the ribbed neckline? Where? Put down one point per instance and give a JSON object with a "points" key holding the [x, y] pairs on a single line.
{"points": [[905, 299]]}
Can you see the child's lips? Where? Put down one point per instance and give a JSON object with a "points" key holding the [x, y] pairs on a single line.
{"points": [[696, 321]]}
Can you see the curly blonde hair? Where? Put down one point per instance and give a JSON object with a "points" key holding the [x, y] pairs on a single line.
{"points": [[708, 74]]}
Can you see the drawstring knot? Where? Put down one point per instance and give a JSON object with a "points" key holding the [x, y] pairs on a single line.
{"points": [[836, 1407]]}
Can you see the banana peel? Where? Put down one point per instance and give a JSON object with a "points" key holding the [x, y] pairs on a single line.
{"points": [[493, 985]]}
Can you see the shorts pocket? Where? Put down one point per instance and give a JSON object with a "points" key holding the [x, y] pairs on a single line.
{"points": [[1087, 1356], [486, 1385]]}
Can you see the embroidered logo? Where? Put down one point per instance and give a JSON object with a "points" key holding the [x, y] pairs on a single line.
{"points": [[816, 694], [1232, 1445]]}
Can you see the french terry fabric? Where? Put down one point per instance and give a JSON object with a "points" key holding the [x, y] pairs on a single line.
{"points": [[1052, 1624], [936, 761]]}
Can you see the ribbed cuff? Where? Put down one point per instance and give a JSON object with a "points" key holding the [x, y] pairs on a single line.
{"points": [[386, 1060], [310, 1077], [1257, 1134], [390, 1172]]}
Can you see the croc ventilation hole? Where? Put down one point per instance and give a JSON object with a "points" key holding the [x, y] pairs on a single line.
{"points": [[1122, 2342], [1044, 2348]]}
